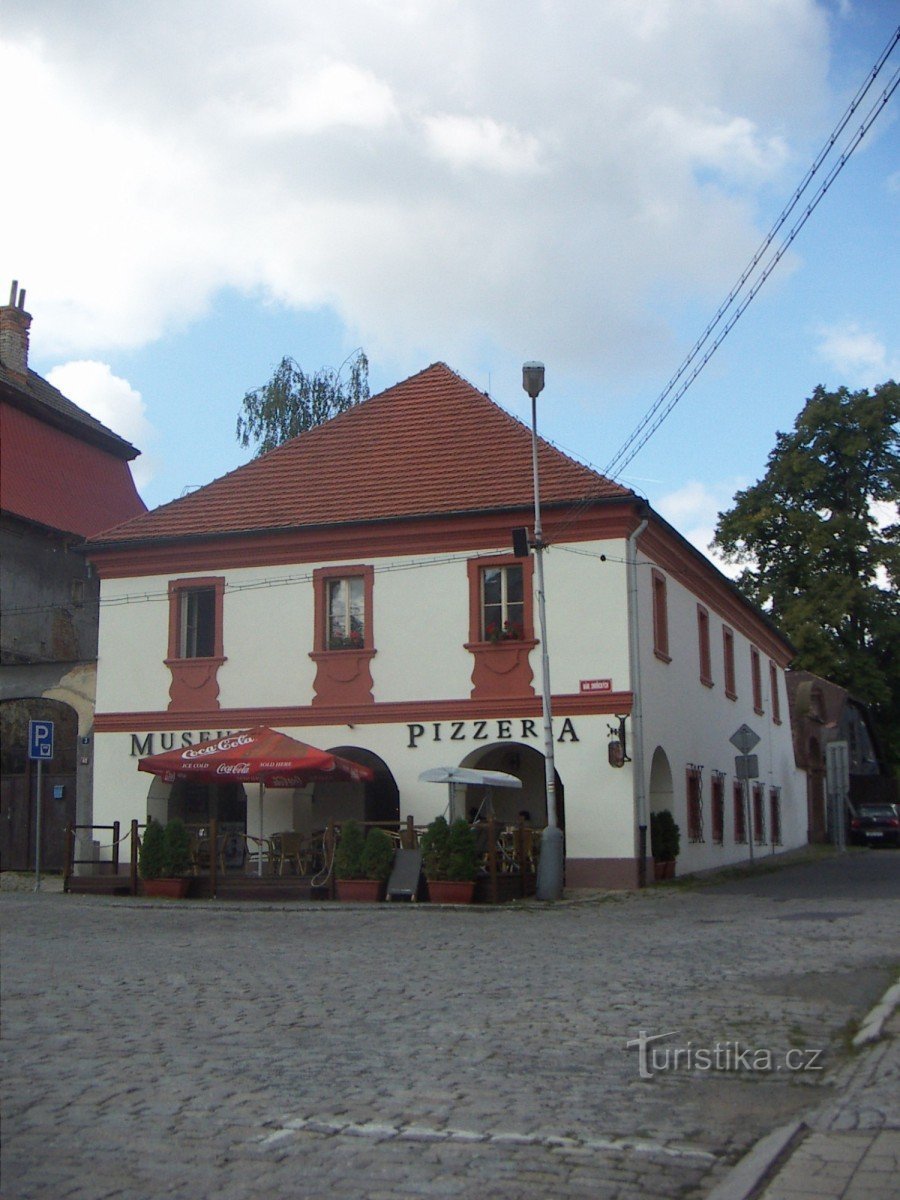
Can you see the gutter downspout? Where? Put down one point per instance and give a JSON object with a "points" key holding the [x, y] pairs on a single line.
{"points": [[637, 712]]}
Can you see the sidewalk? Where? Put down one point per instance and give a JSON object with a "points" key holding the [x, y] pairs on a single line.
{"points": [[847, 1150]]}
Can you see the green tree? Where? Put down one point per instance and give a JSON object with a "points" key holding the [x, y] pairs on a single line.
{"points": [[293, 402], [815, 554]]}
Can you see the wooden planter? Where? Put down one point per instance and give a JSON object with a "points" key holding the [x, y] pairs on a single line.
{"points": [[451, 891], [663, 869], [168, 889], [360, 891]]}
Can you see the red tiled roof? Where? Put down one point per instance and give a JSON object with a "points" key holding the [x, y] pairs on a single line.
{"points": [[59, 480], [432, 444]]}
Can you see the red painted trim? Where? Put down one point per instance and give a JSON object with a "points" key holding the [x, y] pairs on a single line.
{"points": [[399, 712], [459, 533]]}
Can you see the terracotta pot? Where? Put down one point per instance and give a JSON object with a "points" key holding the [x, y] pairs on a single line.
{"points": [[360, 891], [169, 889], [451, 891], [659, 870]]}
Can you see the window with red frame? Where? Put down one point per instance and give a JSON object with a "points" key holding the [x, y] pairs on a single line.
{"points": [[195, 618], [660, 618], [703, 646], [773, 692], [775, 815], [717, 807], [695, 803], [502, 603], [759, 814], [740, 813], [728, 655], [343, 608], [756, 676]]}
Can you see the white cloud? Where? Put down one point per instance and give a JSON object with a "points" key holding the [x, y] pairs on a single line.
{"points": [[419, 167], [113, 401], [694, 509], [859, 356], [481, 142]]}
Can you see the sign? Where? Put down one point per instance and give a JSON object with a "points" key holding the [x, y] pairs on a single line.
{"points": [[40, 740], [590, 686], [744, 739], [837, 768], [746, 766]]}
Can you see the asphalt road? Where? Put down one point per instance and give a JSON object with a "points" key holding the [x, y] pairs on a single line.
{"points": [[198, 1049]]}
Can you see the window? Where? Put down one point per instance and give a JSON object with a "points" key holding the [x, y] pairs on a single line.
{"points": [[502, 603], [756, 676], [775, 815], [775, 700], [195, 618], [759, 814], [728, 652], [695, 803], [346, 614], [740, 813], [195, 643], [660, 618], [703, 644], [343, 608], [717, 807]]}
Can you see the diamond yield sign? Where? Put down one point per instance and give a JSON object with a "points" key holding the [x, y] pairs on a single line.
{"points": [[744, 739]]}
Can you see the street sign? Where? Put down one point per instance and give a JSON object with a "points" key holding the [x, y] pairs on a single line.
{"points": [[746, 766], [744, 739], [40, 740]]}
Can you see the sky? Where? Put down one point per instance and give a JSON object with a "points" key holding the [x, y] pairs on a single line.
{"points": [[194, 190]]}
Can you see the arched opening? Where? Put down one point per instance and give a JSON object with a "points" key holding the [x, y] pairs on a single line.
{"points": [[379, 797], [662, 794], [526, 764], [18, 783]]}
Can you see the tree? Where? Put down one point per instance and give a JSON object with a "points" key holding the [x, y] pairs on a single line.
{"points": [[293, 402], [816, 556]]}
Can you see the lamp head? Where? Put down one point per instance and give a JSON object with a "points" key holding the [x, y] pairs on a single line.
{"points": [[533, 378]]}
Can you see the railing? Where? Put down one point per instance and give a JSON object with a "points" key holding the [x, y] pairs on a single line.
{"points": [[504, 851], [113, 864]]}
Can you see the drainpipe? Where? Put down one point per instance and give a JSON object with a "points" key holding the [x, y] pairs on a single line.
{"points": [[637, 712]]}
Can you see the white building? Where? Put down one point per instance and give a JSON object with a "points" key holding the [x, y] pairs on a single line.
{"points": [[356, 588]]}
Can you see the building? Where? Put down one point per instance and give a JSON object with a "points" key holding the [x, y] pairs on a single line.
{"points": [[357, 588], [823, 713], [65, 477]]}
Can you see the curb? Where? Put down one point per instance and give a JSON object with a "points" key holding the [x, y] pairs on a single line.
{"points": [[759, 1163], [873, 1024]]}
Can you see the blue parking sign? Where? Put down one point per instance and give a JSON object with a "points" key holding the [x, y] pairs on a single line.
{"points": [[40, 740]]}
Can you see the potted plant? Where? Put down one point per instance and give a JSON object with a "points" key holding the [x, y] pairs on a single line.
{"points": [[361, 865], [164, 859], [449, 859], [665, 844]]}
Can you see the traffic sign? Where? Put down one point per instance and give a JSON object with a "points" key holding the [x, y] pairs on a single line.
{"points": [[744, 739], [40, 740], [746, 766]]}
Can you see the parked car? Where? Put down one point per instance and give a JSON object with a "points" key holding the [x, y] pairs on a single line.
{"points": [[876, 825]]}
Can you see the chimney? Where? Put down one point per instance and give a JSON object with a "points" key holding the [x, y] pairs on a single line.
{"points": [[14, 325]]}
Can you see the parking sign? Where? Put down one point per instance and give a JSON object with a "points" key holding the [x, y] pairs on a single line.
{"points": [[40, 740]]}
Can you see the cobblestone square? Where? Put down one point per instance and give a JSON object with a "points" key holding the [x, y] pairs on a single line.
{"points": [[199, 1049]]}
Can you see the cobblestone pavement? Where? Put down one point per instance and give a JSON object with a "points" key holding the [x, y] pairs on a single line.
{"points": [[198, 1049]]}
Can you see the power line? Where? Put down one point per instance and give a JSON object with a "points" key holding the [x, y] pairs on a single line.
{"points": [[623, 457]]}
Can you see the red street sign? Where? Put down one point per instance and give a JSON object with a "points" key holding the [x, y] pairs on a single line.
{"points": [[596, 685]]}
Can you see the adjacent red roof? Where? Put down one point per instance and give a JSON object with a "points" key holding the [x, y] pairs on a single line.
{"points": [[432, 444], [57, 479]]}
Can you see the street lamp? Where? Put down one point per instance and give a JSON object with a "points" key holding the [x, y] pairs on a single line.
{"points": [[550, 863]]}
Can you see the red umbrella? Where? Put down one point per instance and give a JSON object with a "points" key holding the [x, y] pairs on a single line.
{"points": [[259, 755]]}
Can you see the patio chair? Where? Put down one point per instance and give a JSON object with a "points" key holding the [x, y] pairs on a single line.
{"points": [[291, 847], [200, 851], [260, 854]]}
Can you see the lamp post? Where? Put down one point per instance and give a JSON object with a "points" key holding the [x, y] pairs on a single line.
{"points": [[550, 863]]}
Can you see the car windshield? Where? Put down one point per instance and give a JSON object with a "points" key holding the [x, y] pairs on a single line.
{"points": [[876, 810]]}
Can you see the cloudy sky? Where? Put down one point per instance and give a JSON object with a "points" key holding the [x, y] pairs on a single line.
{"points": [[195, 189]]}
